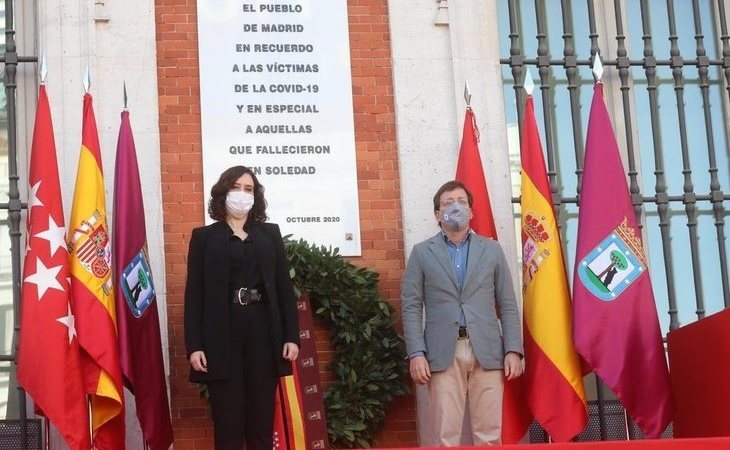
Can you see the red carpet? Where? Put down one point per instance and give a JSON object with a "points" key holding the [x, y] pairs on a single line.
{"points": [[722, 443]]}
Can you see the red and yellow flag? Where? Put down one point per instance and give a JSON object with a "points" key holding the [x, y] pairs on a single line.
{"points": [[289, 430], [92, 291], [553, 378]]}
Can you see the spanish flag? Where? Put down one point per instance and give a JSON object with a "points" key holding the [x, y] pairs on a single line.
{"points": [[553, 378], [289, 429], [93, 294]]}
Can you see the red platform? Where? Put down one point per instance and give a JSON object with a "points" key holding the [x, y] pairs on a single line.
{"points": [[699, 365], [658, 444]]}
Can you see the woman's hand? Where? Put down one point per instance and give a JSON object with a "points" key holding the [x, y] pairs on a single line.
{"points": [[198, 361], [291, 351]]}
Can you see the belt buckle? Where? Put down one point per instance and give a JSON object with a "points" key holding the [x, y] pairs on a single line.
{"points": [[245, 291]]}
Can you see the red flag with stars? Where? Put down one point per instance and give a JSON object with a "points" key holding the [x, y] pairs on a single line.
{"points": [[49, 368]]}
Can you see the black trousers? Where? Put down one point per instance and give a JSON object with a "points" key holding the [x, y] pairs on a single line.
{"points": [[243, 405]]}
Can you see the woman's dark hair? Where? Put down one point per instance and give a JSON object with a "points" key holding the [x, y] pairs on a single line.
{"points": [[219, 191]]}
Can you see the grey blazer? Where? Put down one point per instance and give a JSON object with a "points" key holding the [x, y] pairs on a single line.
{"points": [[429, 284]]}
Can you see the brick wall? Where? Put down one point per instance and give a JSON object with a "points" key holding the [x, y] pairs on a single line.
{"points": [[182, 189]]}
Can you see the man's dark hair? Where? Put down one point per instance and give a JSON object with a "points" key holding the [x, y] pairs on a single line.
{"points": [[219, 191], [450, 186]]}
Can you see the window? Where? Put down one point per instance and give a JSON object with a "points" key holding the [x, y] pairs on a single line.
{"points": [[566, 137], [555, 41]]}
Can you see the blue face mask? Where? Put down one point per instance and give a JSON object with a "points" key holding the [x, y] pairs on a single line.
{"points": [[455, 217]]}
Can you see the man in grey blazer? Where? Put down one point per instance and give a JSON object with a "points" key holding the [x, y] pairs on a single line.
{"points": [[461, 281]]}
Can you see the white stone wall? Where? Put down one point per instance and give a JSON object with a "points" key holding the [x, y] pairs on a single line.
{"points": [[431, 64], [116, 40]]}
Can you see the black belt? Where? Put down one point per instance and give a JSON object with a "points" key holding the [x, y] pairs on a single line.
{"points": [[247, 296], [463, 333]]}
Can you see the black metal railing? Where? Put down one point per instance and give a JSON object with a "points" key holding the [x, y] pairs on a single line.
{"points": [[11, 431], [628, 75]]}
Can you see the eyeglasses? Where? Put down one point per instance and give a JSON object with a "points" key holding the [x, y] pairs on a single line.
{"points": [[447, 203]]}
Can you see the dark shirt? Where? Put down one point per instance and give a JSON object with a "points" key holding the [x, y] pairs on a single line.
{"points": [[243, 262]]}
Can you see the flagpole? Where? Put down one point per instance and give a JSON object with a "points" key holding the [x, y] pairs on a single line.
{"points": [[467, 94], [529, 86], [46, 425], [598, 76], [46, 422], [86, 80]]}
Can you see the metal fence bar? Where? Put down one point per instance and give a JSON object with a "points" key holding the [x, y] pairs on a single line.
{"points": [[544, 71], [660, 185], [715, 190], [14, 204], [571, 71], [515, 62], [29, 436], [592, 33], [595, 53], [689, 195], [622, 62], [644, 199], [632, 62]]}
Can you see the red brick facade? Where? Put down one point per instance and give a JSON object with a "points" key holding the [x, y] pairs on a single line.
{"points": [[182, 189]]}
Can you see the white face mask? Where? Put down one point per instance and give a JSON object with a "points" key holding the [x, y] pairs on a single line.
{"points": [[239, 203]]}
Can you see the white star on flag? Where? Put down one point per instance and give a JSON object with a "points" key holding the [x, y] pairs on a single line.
{"points": [[34, 200], [45, 278], [70, 322], [55, 235]]}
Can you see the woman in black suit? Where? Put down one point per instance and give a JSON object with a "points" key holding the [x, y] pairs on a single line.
{"points": [[241, 327]]}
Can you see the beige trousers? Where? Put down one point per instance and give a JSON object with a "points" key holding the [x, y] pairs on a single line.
{"points": [[465, 381]]}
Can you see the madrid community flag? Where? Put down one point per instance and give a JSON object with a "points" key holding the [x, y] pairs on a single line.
{"points": [[615, 319], [553, 378], [516, 417], [140, 346], [93, 294], [49, 368]]}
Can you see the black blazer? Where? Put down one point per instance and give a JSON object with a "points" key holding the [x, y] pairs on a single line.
{"points": [[207, 300]]}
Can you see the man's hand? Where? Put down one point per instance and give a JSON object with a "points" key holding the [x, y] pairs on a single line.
{"points": [[420, 370], [512, 366], [198, 361]]}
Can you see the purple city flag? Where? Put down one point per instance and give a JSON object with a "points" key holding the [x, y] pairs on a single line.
{"points": [[615, 324], [140, 346]]}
